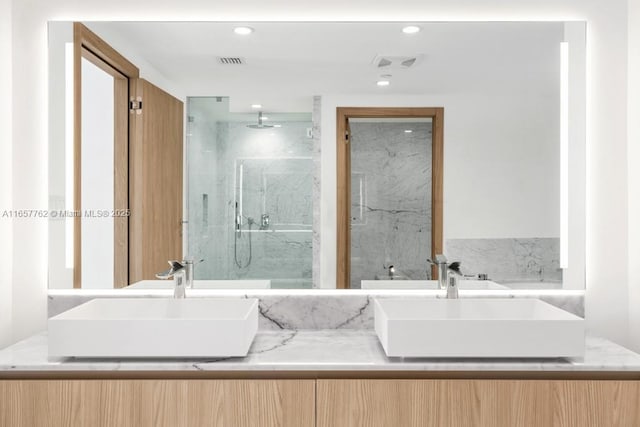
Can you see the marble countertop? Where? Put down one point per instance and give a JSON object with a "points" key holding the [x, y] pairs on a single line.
{"points": [[318, 350]]}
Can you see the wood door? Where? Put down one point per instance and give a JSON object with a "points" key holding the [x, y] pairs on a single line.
{"points": [[343, 190], [496, 403], [155, 181], [156, 403]]}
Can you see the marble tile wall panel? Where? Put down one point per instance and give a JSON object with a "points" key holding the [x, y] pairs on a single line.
{"points": [[509, 260], [391, 199], [280, 188], [274, 255]]}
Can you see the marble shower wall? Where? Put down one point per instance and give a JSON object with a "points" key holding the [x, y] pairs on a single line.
{"points": [[509, 261], [266, 171], [390, 199]]}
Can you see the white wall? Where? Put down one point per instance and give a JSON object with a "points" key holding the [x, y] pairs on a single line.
{"points": [[607, 303], [97, 190], [606, 269], [5, 175], [633, 160], [128, 50], [29, 172]]}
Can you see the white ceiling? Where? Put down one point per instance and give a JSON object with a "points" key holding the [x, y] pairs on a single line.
{"points": [[288, 63]]}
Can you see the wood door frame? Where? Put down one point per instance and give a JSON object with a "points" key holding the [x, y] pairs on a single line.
{"points": [[343, 163], [86, 44]]}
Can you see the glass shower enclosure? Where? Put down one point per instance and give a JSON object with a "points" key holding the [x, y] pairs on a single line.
{"points": [[249, 194]]}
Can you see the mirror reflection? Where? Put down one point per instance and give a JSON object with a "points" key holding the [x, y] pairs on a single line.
{"points": [[391, 172], [250, 207], [189, 142]]}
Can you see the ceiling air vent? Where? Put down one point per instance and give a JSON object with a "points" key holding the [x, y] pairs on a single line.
{"points": [[230, 60], [395, 62]]}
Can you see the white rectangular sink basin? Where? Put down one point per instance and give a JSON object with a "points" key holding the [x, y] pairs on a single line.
{"points": [[203, 284], [477, 327], [155, 327], [430, 285]]}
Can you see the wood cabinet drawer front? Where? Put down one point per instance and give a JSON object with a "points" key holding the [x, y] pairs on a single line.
{"points": [[477, 403], [153, 403]]}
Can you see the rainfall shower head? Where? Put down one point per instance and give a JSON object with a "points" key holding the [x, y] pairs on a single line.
{"points": [[260, 125]]}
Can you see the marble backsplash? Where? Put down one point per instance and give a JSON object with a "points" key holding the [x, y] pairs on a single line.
{"points": [[508, 260], [353, 310]]}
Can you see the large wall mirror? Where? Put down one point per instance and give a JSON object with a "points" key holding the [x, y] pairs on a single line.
{"points": [[317, 155]]}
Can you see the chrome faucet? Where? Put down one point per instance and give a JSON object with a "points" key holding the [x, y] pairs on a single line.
{"points": [[448, 275], [189, 265], [453, 277], [441, 263], [178, 273]]}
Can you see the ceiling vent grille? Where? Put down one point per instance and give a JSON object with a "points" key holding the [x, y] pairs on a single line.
{"points": [[230, 60], [395, 62]]}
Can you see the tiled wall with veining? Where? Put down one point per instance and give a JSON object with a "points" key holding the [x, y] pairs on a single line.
{"points": [[265, 171], [509, 260], [391, 199]]}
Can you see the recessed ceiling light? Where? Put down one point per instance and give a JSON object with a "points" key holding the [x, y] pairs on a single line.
{"points": [[256, 105], [408, 131], [411, 29], [265, 118], [243, 31], [383, 83], [276, 126]]}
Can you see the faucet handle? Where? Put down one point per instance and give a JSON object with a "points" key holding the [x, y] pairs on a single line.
{"points": [[176, 267], [192, 261], [455, 267]]}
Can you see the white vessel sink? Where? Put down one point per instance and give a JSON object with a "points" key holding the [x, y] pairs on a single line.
{"points": [[477, 327], [155, 327], [204, 284], [430, 284]]}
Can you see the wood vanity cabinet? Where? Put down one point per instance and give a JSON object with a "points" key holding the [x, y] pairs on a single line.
{"points": [[319, 402], [478, 403], [157, 403]]}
